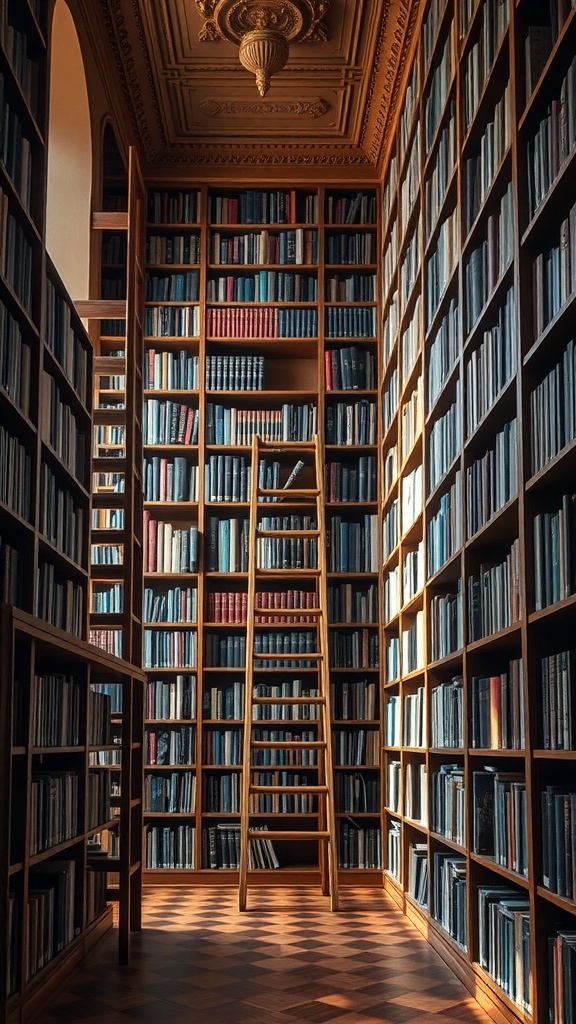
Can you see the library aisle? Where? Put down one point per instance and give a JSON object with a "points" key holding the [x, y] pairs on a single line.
{"points": [[287, 961]]}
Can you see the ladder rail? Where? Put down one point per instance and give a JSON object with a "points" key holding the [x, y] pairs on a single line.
{"points": [[325, 833]]}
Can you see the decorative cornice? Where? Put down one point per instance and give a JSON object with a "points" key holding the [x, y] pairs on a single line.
{"points": [[229, 155], [393, 51], [288, 108]]}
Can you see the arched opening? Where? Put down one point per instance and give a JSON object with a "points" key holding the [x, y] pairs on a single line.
{"points": [[69, 157]]}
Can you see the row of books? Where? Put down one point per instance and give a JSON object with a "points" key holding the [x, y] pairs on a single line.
{"points": [[234, 373], [444, 529], [492, 480], [173, 206], [449, 895], [441, 263], [172, 321], [16, 260], [50, 914], [500, 819], [488, 261], [227, 544], [346, 287], [223, 746], [446, 624], [165, 648], [170, 846], [170, 370], [167, 548], [15, 361], [296, 247], [171, 698], [287, 553], [410, 346], [359, 846], [411, 419], [356, 648], [59, 600], [504, 939], [410, 265], [169, 793], [62, 517], [261, 322], [559, 839], [351, 209], [283, 803], [412, 644], [15, 148], [227, 478], [481, 168], [494, 596], [554, 559], [231, 426], [356, 793], [554, 273], [354, 700], [492, 365], [438, 90], [221, 848], [278, 757], [167, 250], [410, 183], [65, 343], [558, 676], [168, 479], [351, 423], [445, 441], [352, 546], [553, 410], [480, 57], [53, 809], [353, 247], [221, 792], [98, 794], [351, 481], [170, 746], [225, 651], [177, 604], [350, 602], [436, 183], [256, 206], [107, 598], [416, 792], [109, 640], [444, 351], [224, 703], [100, 730], [355, 747], [498, 721], [447, 714], [350, 322], [263, 286], [180, 286], [553, 140], [57, 707], [62, 430], [16, 48], [448, 803], [284, 712]]}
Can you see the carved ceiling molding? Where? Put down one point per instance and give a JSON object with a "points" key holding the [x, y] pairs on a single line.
{"points": [[230, 155], [289, 108], [389, 62], [299, 21]]}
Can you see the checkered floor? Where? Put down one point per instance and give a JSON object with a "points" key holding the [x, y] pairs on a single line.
{"points": [[288, 960]]}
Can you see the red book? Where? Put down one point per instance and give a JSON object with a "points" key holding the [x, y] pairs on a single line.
{"points": [[152, 545], [217, 607], [495, 718], [152, 748], [328, 368], [229, 289]]}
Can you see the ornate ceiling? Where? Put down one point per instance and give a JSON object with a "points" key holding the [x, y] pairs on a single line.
{"points": [[191, 102]]}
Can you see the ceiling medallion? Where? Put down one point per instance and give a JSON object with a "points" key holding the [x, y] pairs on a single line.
{"points": [[263, 30]]}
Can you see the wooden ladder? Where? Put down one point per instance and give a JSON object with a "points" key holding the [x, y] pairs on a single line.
{"points": [[287, 601]]}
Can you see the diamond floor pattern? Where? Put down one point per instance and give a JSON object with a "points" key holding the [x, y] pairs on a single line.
{"points": [[288, 960]]}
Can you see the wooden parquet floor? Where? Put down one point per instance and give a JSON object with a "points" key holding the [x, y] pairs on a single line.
{"points": [[288, 960]]}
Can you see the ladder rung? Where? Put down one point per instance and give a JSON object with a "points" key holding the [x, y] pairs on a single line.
{"points": [[289, 700], [110, 365], [286, 789], [287, 745], [110, 219], [254, 834], [101, 309]]}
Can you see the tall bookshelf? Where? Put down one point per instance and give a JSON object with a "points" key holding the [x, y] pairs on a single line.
{"points": [[243, 274], [56, 714], [478, 286]]}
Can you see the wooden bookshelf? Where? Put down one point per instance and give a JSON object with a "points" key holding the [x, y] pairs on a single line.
{"points": [[475, 184], [274, 320]]}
